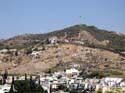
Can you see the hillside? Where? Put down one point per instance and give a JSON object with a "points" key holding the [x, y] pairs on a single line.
{"points": [[90, 35], [87, 46], [61, 56]]}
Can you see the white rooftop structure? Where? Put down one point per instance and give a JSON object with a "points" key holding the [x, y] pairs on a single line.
{"points": [[3, 51], [110, 79], [5, 88], [53, 39], [72, 70]]}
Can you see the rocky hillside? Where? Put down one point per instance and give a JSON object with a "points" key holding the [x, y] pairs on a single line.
{"points": [[88, 46], [61, 56], [90, 35]]}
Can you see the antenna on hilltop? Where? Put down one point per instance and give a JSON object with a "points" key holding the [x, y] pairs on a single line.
{"points": [[80, 17]]}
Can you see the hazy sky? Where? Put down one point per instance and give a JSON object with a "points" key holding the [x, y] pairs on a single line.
{"points": [[42, 16]]}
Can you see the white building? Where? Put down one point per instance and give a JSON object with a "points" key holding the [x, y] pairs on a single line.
{"points": [[5, 88], [53, 40], [4, 51], [35, 54], [72, 71], [110, 84]]}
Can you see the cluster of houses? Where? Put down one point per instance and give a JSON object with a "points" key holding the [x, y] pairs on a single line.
{"points": [[71, 79], [4, 51], [111, 85]]}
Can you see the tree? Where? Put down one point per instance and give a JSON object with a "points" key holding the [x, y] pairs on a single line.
{"points": [[25, 76], [5, 75], [28, 50]]}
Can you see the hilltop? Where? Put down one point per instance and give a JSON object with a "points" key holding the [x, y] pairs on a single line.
{"points": [[90, 35]]}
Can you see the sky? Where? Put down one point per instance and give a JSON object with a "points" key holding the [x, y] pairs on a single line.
{"points": [[41, 16]]}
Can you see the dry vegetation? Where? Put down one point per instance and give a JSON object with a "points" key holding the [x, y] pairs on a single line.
{"points": [[100, 51], [60, 56]]}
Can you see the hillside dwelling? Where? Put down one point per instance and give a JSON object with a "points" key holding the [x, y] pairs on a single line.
{"points": [[12, 50], [40, 48], [5, 88], [53, 40], [46, 87], [66, 40], [9, 80], [123, 53], [4, 51], [55, 86], [75, 65], [35, 54], [111, 79], [72, 71]]}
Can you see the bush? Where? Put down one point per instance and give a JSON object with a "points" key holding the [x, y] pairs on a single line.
{"points": [[97, 74], [29, 50]]}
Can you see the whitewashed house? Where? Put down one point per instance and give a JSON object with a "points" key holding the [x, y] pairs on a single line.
{"points": [[111, 84], [72, 70], [5, 88], [53, 40], [3, 51], [35, 54]]}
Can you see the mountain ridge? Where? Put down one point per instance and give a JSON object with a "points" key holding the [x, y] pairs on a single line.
{"points": [[114, 40], [79, 44]]}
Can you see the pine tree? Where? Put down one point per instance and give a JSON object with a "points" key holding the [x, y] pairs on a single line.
{"points": [[5, 75], [25, 76]]}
